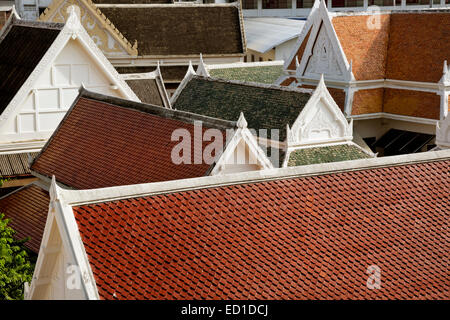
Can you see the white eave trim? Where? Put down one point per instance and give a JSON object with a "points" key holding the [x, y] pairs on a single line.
{"points": [[82, 197], [384, 115]]}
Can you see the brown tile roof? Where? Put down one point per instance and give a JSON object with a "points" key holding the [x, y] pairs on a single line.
{"points": [[310, 237], [16, 164], [27, 208], [180, 29], [105, 141], [22, 46]]}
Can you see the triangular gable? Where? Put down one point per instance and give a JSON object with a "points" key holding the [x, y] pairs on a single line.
{"points": [[62, 268], [320, 121], [242, 153], [323, 53], [25, 98], [105, 35]]}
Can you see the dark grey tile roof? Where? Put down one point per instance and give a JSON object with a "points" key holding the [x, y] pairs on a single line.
{"points": [[150, 91], [16, 164], [326, 154], [22, 46], [264, 107], [180, 29]]}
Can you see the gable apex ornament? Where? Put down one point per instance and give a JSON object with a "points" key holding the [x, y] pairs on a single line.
{"points": [[73, 22], [241, 123]]}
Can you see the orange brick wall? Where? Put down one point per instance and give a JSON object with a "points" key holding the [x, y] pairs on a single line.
{"points": [[366, 48], [368, 101], [412, 103]]}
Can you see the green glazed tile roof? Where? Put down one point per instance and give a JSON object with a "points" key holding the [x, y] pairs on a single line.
{"points": [[326, 154], [264, 107], [262, 74]]}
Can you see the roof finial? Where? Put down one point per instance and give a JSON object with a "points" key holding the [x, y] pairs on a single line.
{"points": [[297, 64], [190, 68], [202, 69], [289, 135], [54, 190], [241, 123]]}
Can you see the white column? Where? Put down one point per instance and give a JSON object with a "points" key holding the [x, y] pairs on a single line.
{"points": [[366, 4], [403, 4], [329, 5], [259, 8], [294, 7]]}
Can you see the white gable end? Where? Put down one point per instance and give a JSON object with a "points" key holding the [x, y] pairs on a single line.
{"points": [[72, 60], [53, 92], [323, 59]]}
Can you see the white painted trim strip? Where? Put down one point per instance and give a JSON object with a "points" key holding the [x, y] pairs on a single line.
{"points": [[81, 197], [384, 115]]}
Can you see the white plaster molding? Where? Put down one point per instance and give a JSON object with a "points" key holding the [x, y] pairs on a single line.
{"points": [[323, 43], [242, 133], [303, 34], [82, 197], [62, 214], [202, 69], [321, 120], [244, 64], [190, 73]]}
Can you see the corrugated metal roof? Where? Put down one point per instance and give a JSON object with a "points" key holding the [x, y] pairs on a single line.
{"points": [[263, 34]]}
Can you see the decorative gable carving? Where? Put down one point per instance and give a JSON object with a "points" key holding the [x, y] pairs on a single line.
{"points": [[323, 59], [321, 121], [443, 133]]}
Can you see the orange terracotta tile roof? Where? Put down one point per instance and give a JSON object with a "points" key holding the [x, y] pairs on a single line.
{"points": [[27, 208], [105, 141], [310, 237]]}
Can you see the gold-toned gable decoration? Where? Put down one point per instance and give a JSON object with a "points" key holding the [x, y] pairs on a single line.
{"points": [[105, 35]]}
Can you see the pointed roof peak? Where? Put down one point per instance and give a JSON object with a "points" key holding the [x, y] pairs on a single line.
{"points": [[241, 123]]}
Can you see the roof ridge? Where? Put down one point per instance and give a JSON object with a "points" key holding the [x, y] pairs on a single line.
{"points": [[255, 84], [179, 115]]}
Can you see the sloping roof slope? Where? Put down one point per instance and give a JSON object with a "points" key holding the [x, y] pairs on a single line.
{"points": [[22, 46], [180, 29], [310, 237], [265, 107], [105, 141]]}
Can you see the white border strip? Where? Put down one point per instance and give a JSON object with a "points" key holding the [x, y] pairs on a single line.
{"points": [[81, 197]]}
